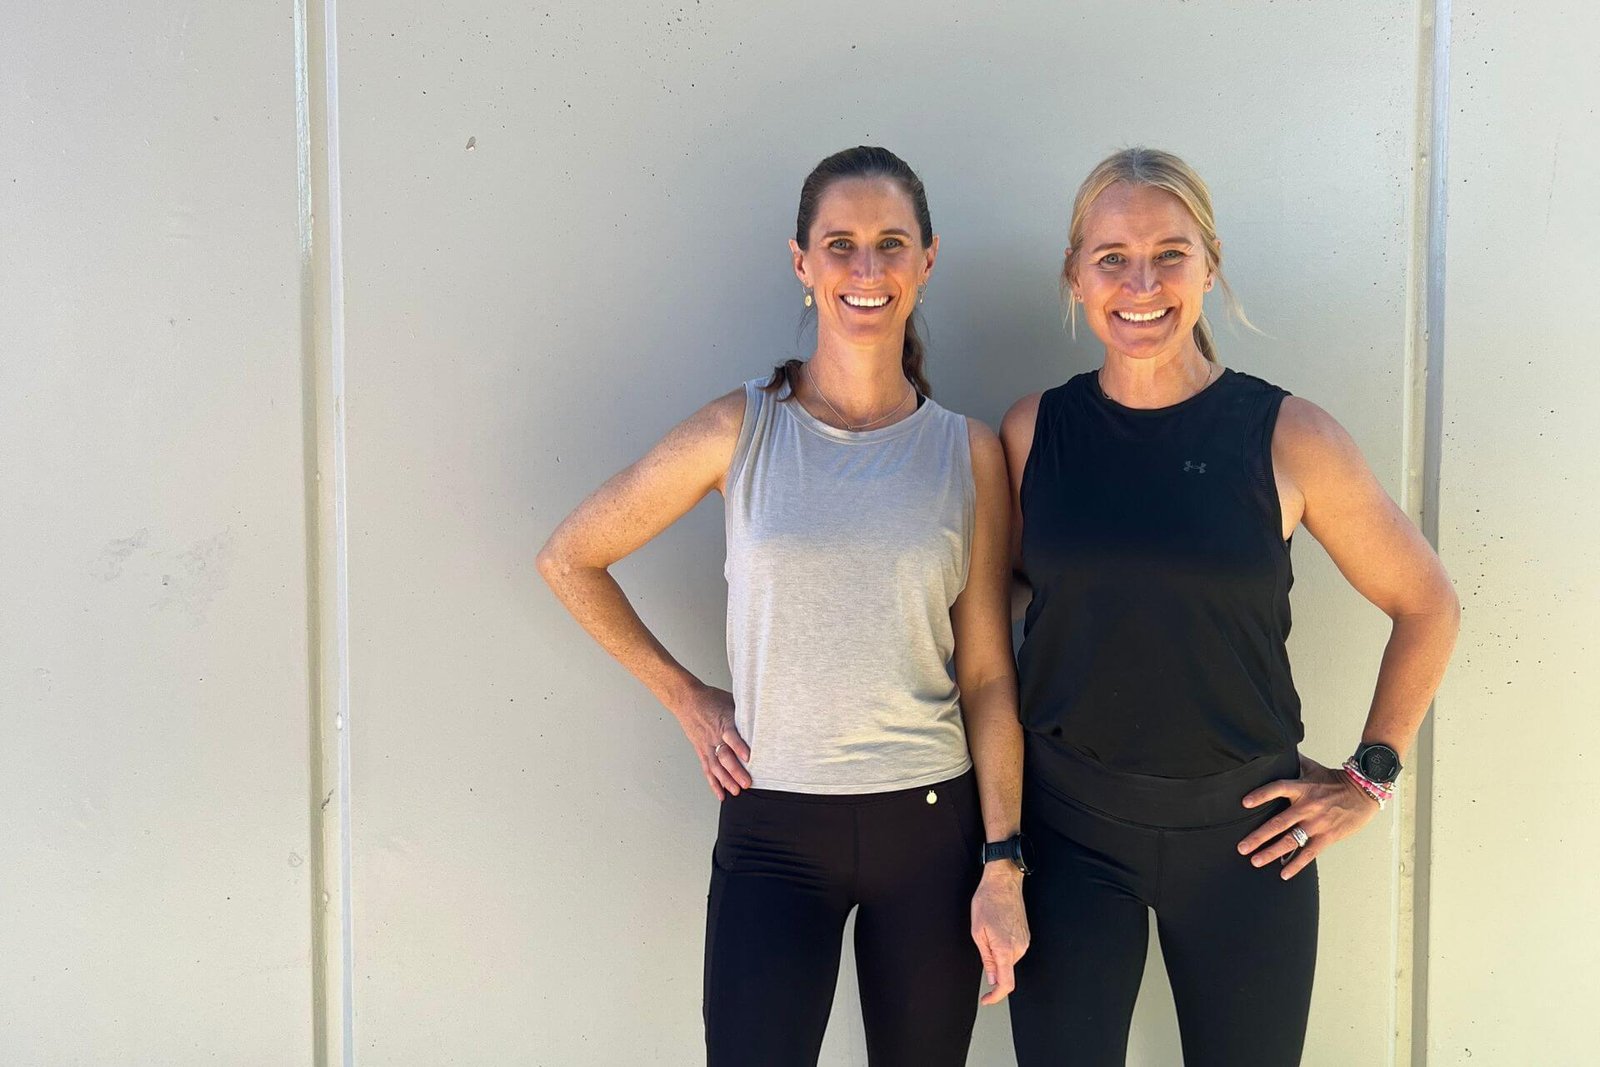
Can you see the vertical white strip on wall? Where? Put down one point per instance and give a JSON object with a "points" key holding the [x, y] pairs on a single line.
{"points": [[311, 444], [1437, 207], [341, 590], [1424, 439]]}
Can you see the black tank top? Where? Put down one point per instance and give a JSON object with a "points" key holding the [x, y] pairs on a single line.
{"points": [[1154, 543]]}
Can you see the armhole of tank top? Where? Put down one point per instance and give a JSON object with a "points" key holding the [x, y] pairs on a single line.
{"points": [[754, 399], [1262, 468], [970, 492]]}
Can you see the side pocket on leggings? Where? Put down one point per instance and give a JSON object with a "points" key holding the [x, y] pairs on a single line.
{"points": [[733, 823], [965, 815]]}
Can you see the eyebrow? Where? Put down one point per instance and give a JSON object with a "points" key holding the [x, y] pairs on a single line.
{"points": [[1164, 241], [850, 233]]}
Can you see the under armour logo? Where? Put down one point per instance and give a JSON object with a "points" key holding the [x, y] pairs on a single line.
{"points": [[1194, 468]]}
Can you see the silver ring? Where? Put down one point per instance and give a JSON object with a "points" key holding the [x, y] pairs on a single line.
{"points": [[1300, 836], [720, 746]]}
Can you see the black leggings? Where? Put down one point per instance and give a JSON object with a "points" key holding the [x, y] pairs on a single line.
{"points": [[1240, 944], [786, 871]]}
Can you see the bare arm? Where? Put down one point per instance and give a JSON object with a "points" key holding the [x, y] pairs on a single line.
{"points": [[623, 514], [1324, 483], [1381, 554], [987, 677], [1016, 434]]}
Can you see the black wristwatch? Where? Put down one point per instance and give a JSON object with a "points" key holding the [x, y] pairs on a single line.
{"points": [[1378, 763], [1014, 848]]}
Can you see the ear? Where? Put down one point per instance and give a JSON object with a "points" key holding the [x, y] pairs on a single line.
{"points": [[931, 254], [1070, 274], [798, 254]]}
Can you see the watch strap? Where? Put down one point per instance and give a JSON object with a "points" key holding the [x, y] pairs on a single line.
{"points": [[1014, 848], [1000, 850]]}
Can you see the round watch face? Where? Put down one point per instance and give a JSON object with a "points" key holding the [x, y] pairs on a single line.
{"points": [[1024, 854], [1380, 763]]}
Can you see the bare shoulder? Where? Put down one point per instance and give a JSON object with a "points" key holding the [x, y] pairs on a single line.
{"points": [[984, 441], [988, 458], [720, 419], [649, 495], [696, 452], [712, 428], [706, 440], [1308, 441], [1321, 472], [1019, 420], [1016, 433]]}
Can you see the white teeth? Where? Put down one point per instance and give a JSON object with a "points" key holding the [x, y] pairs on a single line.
{"points": [[1147, 317], [866, 301]]}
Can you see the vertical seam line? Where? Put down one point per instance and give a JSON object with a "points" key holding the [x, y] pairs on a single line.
{"points": [[1423, 439], [1433, 440], [310, 439], [336, 328]]}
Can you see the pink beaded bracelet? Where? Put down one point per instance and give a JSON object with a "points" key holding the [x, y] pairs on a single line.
{"points": [[1377, 791]]}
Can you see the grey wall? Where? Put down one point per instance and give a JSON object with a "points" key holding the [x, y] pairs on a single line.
{"points": [[1514, 937], [156, 897], [529, 836], [528, 316]]}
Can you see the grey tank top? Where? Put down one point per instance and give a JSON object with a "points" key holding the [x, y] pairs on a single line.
{"points": [[845, 552]]}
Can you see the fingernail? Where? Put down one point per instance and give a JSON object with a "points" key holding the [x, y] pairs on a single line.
{"points": [[991, 979]]}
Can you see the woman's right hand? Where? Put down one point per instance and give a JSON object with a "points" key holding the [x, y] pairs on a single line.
{"points": [[707, 720]]}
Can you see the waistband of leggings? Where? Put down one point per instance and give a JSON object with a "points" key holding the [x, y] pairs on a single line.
{"points": [[1171, 803], [965, 779]]}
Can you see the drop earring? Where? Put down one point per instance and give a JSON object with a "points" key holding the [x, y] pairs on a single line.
{"points": [[808, 296], [922, 292]]}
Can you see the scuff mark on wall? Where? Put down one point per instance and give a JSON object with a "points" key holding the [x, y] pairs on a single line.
{"points": [[201, 574], [108, 566], [1550, 187]]}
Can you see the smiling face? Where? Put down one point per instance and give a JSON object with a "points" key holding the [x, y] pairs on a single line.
{"points": [[1141, 272], [864, 260]]}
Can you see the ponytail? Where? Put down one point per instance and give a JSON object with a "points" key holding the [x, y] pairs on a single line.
{"points": [[912, 355]]}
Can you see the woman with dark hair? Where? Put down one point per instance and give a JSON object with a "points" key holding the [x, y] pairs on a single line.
{"points": [[867, 550], [1155, 499]]}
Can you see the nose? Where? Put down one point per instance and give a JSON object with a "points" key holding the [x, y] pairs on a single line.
{"points": [[868, 264], [1142, 279]]}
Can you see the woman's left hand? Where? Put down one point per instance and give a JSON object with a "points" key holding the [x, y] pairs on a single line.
{"points": [[1323, 802], [999, 928]]}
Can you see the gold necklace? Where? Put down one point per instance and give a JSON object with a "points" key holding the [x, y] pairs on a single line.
{"points": [[812, 378], [1100, 384]]}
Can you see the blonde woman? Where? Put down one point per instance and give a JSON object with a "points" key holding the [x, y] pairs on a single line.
{"points": [[1154, 503]]}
